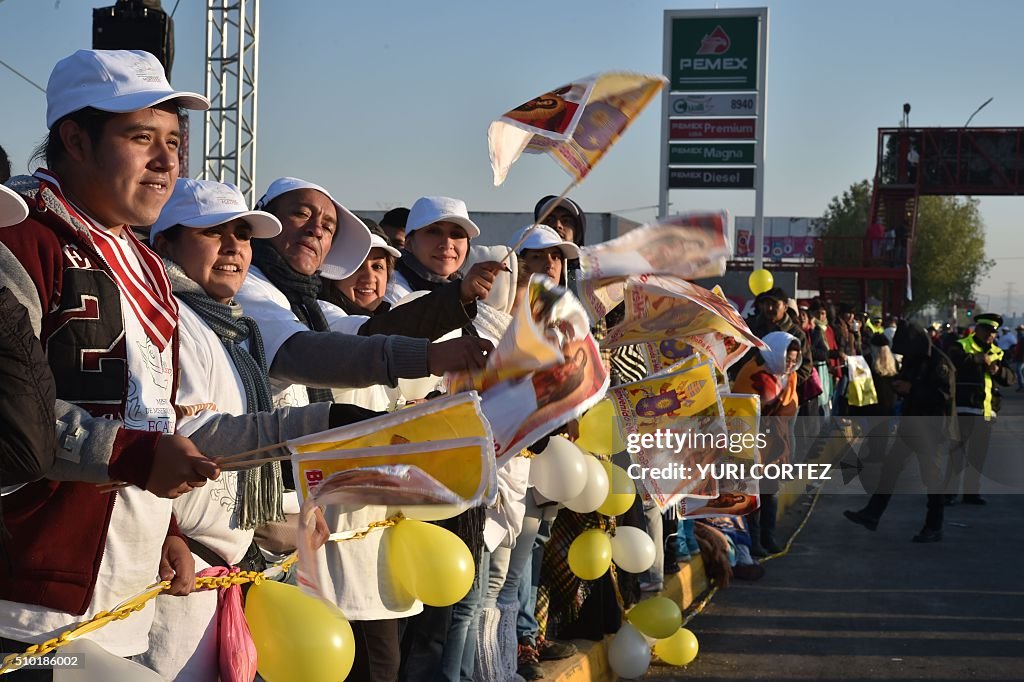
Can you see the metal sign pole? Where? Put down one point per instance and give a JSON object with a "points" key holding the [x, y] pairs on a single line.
{"points": [[666, 68], [762, 107]]}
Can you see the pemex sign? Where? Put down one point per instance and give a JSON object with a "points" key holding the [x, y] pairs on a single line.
{"points": [[714, 53], [713, 117]]}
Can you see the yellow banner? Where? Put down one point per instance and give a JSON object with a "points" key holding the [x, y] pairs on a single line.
{"points": [[460, 465], [672, 423], [456, 416]]}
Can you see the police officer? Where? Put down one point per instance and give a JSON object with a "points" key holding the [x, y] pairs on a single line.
{"points": [[980, 369]]}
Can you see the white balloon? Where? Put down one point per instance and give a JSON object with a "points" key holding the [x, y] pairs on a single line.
{"points": [[99, 665], [633, 549], [629, 654], [595, 491], [559, 472]]}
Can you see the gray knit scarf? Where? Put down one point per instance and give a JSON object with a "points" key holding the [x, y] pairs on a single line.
{"points": [[261, 489]]}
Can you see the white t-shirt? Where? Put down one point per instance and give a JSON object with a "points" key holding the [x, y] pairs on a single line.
{"points": [[184, 633], [362, 581], [208, 375], [138, 523]]}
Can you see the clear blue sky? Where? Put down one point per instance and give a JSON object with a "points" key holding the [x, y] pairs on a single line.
{"points": [[385, 101]]}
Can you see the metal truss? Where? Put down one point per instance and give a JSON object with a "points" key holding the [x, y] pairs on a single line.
{"points": [[232, 59]]}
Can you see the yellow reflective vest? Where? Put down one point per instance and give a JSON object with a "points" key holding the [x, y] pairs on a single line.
{"points": [[971, 347]]}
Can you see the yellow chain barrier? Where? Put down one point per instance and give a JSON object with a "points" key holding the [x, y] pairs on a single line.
{"points": [[130, 606], [374, 526], [138, 602]]}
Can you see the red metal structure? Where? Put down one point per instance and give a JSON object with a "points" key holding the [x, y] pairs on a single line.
{"points": [[911, 163]]}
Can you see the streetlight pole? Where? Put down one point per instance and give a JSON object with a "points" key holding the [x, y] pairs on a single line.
{"points": [[983, 105]]}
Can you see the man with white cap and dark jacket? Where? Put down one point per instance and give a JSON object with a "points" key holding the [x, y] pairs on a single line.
{"points": [[320, 235]]}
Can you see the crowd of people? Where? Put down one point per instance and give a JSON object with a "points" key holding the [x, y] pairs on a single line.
{"points": [[161, 323], [936, 395]]}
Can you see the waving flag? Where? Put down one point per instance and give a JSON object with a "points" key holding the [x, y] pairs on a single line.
{"points": [[686, 405], [687, 246], [671, 311], [374, 442], [575, 123]]}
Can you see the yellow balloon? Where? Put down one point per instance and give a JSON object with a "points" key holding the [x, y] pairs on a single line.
{"points": [[590, 554], [597, 430], [431, 563], [298, 638], [658, 617], [679, 649], [621, 491], [760, 281]]}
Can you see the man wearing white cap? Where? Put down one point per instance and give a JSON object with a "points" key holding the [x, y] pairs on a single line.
{"points": [[102, 306], [319, 235]]}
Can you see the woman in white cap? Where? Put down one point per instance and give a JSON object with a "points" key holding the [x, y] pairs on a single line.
{"points": [[437, 237], [544, 252], [362, 292], [204, 235], [440, 643]]}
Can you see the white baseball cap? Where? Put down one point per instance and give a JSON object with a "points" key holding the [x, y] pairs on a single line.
{"points": [[12, 207], [118, 81], [430, 210], [205, 203], [352, 241], [544, 237], [376, 242]]}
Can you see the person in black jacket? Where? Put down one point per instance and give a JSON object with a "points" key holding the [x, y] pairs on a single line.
{"points": [[927, 380], [27, 419], [883, 373], [981, 369]]}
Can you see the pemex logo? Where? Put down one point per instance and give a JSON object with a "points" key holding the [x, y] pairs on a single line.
{"points": [[716, 42]]}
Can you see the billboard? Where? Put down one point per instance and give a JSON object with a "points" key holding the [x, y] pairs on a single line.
{"points": [[717, 63]]}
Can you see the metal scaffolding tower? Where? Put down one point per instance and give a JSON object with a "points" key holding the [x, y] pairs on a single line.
{"points": [[232, 58]]}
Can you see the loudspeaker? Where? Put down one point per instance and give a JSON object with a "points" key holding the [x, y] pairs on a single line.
{"points": [[135, 25]]}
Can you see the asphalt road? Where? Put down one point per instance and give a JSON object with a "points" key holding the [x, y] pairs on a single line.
{"points": [[849, 604]]}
